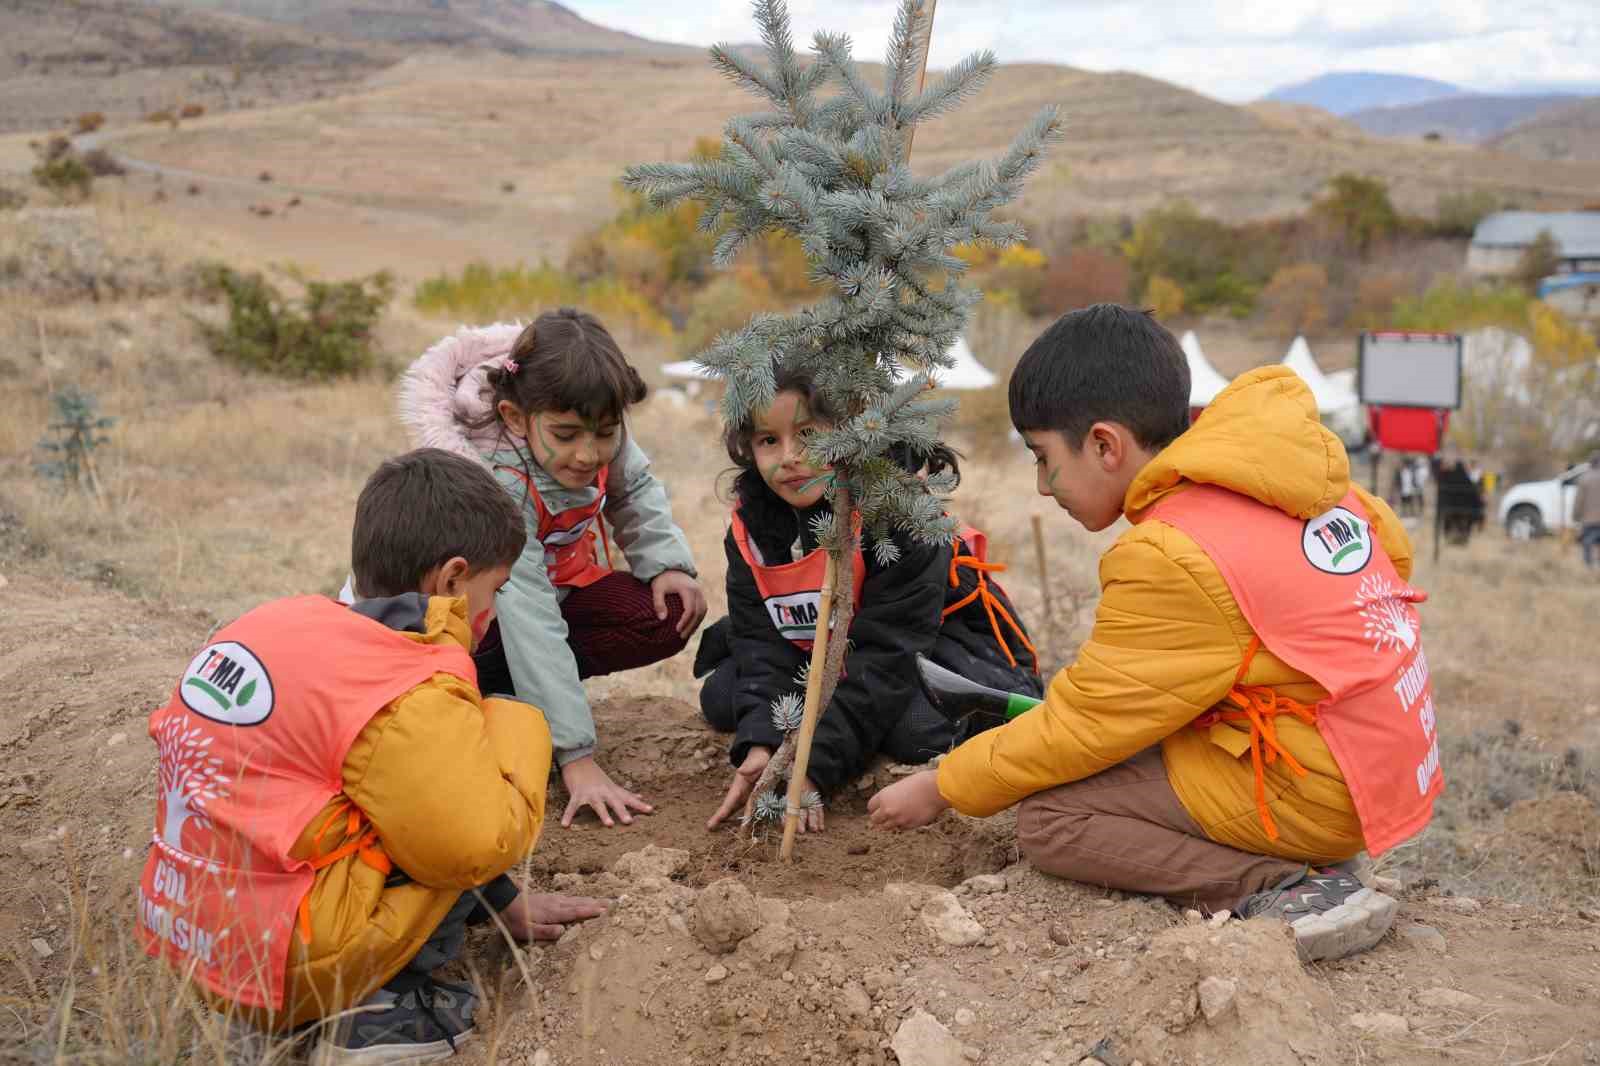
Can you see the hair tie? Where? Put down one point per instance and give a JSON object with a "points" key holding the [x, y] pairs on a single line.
{"points": [[511, 366]]}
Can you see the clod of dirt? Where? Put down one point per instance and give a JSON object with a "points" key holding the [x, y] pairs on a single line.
{"points": [[922, 1040], [1423, 936], [1381, 1023], [945, 918], [1447, 999], [984, 884], [724, 914], [651, 862], [1217, 997]]}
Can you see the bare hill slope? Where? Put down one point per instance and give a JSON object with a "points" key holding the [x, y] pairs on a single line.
{"points": [[1567, 133], [1472, 118]]}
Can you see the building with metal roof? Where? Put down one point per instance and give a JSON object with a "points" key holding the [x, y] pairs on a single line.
{"points": [[1502, 237]]}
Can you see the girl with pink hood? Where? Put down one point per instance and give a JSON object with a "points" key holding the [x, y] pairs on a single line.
{"points": [[542, 407]]}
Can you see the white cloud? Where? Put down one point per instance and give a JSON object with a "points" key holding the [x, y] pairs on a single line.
{"points": [[1233, 49]]}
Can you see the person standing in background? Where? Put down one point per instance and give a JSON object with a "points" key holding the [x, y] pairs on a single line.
{"points": [[1586, 512]]}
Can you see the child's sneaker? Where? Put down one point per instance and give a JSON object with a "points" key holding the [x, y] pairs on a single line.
{"points": [[426, 1022], [1331, 912]]}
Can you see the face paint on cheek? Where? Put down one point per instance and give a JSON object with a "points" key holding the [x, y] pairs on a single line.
{"points": [[544, 441]]}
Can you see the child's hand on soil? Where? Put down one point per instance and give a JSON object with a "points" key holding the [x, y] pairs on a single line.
{"points": [[687, 589], [590, 786], [744, 780], [907, 804], [543, 916]]}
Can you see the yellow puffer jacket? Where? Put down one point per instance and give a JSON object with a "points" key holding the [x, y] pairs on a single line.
{"points": [[1168, 641], [455, 786]]}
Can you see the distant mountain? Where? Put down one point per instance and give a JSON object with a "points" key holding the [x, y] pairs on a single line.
{"points": [[1571, 132], [517, 26], [1471, 118], [1346, 92]]}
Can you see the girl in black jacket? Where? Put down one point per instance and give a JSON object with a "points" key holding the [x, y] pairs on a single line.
{"points": [[938, 602]]}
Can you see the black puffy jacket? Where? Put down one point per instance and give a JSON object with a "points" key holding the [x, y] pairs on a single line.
{"points": [[899, 617]]}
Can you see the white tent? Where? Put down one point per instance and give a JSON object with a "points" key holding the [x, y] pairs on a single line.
{"points": [[1337, 401], [1204, 380], [968, 373]]}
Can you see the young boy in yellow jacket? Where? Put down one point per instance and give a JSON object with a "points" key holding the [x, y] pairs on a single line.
{"points": [[338, 802], [1253, 704]]}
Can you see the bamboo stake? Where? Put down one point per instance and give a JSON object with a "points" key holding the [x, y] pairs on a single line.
{"points": [[838, 584], [813, 711], [1044, 572]]}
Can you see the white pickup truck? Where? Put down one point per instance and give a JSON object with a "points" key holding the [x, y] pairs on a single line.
{"points": [[1535, 508]]}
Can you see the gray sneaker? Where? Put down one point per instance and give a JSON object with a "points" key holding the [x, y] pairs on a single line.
{"points": [[409, 1021], [1331, 913]]}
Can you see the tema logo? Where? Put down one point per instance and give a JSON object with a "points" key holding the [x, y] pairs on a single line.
{"points": [[1338, 542], [227, 683], [795, 615]]}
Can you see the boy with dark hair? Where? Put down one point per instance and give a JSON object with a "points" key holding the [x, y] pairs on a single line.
{"points": [[338, 802], [1253, 705]]}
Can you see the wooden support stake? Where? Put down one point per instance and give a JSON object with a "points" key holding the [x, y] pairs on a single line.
{"points": [[922, 75], [1044, 571], [813, 711]]}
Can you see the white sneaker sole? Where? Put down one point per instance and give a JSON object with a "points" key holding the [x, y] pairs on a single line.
{"points": [[328, 1054], [1354, 926]]}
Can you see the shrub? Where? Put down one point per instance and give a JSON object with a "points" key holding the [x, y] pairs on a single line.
{"points": [[164, 115], [1360, 208], [1458, 214], [1085, 276], [89, 121], [1296, 299], [62, 170], [1213, 263], [326, 333], [192, 111], [1538, 261], [1164, 297], [12, 199], [483, 293], [1376, 295], [102, 164]]}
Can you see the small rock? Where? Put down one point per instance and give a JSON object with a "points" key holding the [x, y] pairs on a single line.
{"points": [[1447, 999], [922, 1041], [772, 947], [573, 933], [1193, 917], [1061, 933], [3, 581], [965, 1017], [116, 739], [1217, 996], [717, 973], [724, 914], [854, 1002], [946, 919], [1389, 886], [676, 923], [596, 952], [542, 1057], [788, 977], [1381, 1023], [1424, 936], [42, 946], [1458, 904], [651, 862], [1220, 919], [985, 884], [971, 1054]]}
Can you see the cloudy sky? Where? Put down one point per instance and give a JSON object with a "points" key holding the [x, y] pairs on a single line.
{"points": [[1232, 49]]}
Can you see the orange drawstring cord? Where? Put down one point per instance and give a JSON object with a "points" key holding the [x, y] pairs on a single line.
{"points": [[991, 602], [356, 842], [1259, 705]]}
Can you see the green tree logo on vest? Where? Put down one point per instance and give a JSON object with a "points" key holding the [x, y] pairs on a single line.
{"points": [[227, 683], [1338, 542]]}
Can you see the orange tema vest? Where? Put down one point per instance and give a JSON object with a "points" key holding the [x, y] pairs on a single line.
{"points": [[569, 536], [792, 592], [251, 747], [1324, 596]]}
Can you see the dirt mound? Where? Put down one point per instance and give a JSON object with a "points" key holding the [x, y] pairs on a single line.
{"points": [[662, 748]]}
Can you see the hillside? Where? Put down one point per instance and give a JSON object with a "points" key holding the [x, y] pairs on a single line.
{"points": [[60, 58], [1346, 92], [517, 26], [1470, 118], [1566, 133]]}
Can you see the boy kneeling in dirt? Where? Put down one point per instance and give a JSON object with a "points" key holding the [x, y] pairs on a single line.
{"points": [[1253, 704], [338, 802]]}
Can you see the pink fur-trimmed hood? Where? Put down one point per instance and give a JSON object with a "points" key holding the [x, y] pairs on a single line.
{"points": [[442, 391]]}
